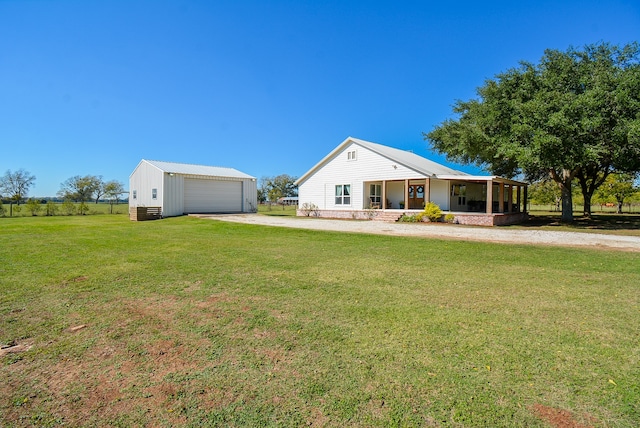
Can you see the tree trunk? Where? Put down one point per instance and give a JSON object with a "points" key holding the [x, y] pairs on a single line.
{"points": [[564, 180], [567, 203], [587, 194], [586, 211], [590, 178]]}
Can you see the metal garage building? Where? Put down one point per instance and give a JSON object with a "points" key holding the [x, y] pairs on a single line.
{"points": [[180, 188]]}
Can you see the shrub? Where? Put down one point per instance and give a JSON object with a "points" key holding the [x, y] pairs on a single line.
{"points": [[309, 209], [449, 218], [33, 206], [50, 208], [68, 207], [432, 211], [410, 218], [83, 209]]}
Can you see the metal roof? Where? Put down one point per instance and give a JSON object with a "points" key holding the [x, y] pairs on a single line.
{"points": [[408, 159], [191, 169]]}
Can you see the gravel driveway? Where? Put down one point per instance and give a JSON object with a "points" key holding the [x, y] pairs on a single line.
{"points": [[441, 231]]}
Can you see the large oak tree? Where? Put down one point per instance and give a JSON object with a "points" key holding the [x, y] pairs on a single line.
{"points": [[575, 114]]}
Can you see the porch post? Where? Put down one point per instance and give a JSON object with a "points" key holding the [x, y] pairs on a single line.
{"points": [[489, 197], [501, 197], [519, 196], [510, 198], [384, 195], [427, 191], [406, 194], [524, 202]]}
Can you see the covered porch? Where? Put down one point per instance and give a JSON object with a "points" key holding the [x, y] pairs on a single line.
{"points": [[467, 197]]}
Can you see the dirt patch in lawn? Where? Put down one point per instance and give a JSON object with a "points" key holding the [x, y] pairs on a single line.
{"points": [[557, 418], [126, 376]]}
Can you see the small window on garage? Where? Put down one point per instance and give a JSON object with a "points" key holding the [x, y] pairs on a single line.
{"points": [[154, 193], [135, 194]]}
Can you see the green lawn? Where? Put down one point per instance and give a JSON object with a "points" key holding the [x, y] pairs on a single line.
{"points": [[194, 322], [278, 210]]}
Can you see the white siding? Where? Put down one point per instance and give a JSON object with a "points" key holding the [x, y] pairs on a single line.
{"points": [[143, 179], [319, 188], [440, 193], [173, 192], [250, 196], [238, 195]]}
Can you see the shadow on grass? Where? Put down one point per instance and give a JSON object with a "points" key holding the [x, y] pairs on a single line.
{"points": [[602, 222]]}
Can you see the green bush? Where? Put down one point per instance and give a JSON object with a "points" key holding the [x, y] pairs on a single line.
{"points": [[449, 218], [68, 207], [406, 218], [51, 208], [432, 211], [33, 206]]}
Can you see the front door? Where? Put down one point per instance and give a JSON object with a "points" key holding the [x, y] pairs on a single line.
{"points": [[416, 196]]}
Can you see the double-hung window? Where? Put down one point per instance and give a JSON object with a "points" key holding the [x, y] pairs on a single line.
{"points": [[154, 193], [343, 194]]}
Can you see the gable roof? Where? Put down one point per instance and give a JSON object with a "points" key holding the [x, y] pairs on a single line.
{"points": [[191, 169], [408, 159]]}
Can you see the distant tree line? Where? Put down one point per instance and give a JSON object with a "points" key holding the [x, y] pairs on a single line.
{"points": [[14, 188]]}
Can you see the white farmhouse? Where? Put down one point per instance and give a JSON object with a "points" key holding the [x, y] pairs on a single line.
{"points": [[358, 177], [179, 188]]}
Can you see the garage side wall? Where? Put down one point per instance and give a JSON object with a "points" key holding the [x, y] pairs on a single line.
{"points": [[173, 195], [142, 181], [250, 196]]}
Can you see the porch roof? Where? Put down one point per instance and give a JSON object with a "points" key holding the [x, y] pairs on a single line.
{"points": [[494, 178]]}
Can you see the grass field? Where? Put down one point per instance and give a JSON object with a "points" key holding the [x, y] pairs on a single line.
{"points": [[60, 209], [195, 322]]}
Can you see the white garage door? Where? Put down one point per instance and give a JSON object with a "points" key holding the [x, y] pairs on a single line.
{"points": [[212, 196]]}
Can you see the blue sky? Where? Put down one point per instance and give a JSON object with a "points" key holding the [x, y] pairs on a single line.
{"points": [[266, 87]]}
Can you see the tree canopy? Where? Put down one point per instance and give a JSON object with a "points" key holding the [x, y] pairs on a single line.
{"points": [[617, 187], [80, 189], [15, 185], [274, 188], [575, 114]]}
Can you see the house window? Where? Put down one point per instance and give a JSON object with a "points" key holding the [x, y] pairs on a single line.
{"points": [[460, 190], [343, 194], [351, 155], [135, 194], [154, 193], [375, 193]]}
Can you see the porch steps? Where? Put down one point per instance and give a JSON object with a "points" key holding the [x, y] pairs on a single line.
{"points": [[388, 216]]}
